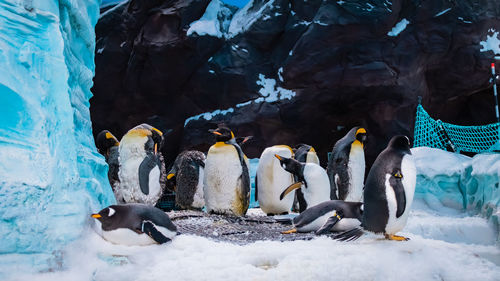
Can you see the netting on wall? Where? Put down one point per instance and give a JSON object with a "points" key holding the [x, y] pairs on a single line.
{"points": [[438, 134]]}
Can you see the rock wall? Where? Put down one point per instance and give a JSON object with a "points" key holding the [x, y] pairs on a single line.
{"points": [[292, 72]]}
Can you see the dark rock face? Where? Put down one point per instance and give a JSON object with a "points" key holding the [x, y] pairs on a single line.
{"points": [[336, 59]]}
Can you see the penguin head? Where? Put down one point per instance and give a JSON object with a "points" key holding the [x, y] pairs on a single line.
{"points": [[360, 134], [292, 166], [157, 137], [401, 143], [105, 140], [106, 216], [222, 133]]}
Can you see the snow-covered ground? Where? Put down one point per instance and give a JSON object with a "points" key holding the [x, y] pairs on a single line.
{"points": [[445, 245]]}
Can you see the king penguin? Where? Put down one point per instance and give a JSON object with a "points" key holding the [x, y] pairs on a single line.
{"points": [[346, 166], [141, 166], [135, 224], [303, 153], [226, 184], [333, 215], [312, 180], [388, 192], [107, 144], [187, 173], [271, 180]]}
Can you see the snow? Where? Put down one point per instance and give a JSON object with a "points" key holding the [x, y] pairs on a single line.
{"points": [[270, 92], [400, 26], [280, 74], [214, 22], [442, 12], [247, 16], [492, 43], [442, 247], [51, 173], [209, 115]]}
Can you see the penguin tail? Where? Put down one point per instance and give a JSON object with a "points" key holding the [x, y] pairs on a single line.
{"points": [[349, 235]]}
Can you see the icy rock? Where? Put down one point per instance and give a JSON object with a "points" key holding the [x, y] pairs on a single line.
{"points": [[456, 181], [51, 174]]}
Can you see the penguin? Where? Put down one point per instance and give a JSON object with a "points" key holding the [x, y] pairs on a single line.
{"points": [[187, 174], [333, 215], [135, 224], [388, 193], [312, 180], [303, 153], [346, 166], [226, 184], [271, 180], [141, 166], [107, 144]]}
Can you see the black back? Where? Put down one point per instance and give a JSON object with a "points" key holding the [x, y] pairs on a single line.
{"points": [[376, 212], [337, 164], [132, 215], [245, 175], [300, 155], [186, 168], [343, 208]]}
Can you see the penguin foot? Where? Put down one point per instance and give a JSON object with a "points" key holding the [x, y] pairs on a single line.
{"points": [[396, 237], [293, 230]]}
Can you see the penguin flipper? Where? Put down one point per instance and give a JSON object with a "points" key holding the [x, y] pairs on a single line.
{"points": [[327, 227], [256, 189], [145, 168], [349, 235], [149, 228], [399, 192]]}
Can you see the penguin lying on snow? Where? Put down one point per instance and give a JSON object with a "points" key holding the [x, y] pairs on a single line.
{"points": [[388, 192], [135, 224], [226, 184], [270, 181], [333, 215], [312, 177], [306, 154], [141, 166], [107, 145], [187, 173], [346, 167]]}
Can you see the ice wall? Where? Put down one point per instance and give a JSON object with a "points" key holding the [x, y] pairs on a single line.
{"points": [[51, 176], [456, 181]]}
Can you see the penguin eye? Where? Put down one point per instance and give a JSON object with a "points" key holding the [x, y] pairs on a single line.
{"points": [[111, 212]]}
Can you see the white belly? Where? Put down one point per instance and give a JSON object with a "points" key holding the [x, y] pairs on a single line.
{"points": [[318, 185], [132, 154], [222, 178], [199, 199], [125, 236], [346, 224], [272, 180], [356, 170], [409, 173], [316, 224]]}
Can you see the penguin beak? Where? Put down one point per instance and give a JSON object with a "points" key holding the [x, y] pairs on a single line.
{"points": [[171, 175], [277, 156], [312, 149], [96, 216], [216, 133], [156, 148], [291, 188]]}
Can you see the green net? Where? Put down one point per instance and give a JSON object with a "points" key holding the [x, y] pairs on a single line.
{"points": [[438, 134]]}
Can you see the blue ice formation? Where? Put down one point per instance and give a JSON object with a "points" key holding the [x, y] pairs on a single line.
{"points": [[51, 174], [459, 182]]}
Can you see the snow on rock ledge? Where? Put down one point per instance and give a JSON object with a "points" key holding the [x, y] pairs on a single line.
{"points": [[459, 182], [52, 176]]}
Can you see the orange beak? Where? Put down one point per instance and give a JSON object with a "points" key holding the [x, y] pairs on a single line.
{"points": [[96, 216], [216, 133], [277, 156]]}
